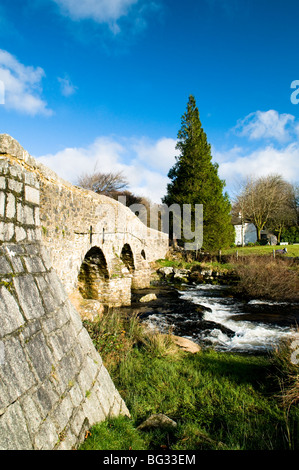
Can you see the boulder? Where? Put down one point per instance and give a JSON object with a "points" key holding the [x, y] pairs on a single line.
{"points": [[207, 272], [166, 271], [181, 273], [157, 421], [88, 309], [186, 344], [148, 298]]}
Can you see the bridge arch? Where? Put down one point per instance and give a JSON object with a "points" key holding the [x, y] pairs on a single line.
{"points": [[127, 257], [93, 275]]}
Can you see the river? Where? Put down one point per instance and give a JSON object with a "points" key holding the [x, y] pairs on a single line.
{"points": [[224, 322]]}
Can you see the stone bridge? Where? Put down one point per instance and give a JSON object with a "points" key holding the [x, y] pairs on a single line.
{"points": [[54, 239], [96, 243]]}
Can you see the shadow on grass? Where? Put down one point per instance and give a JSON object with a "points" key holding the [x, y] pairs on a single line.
{"points": [[237, 368]]}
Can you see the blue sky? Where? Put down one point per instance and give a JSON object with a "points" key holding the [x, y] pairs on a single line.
{"points": [[104, 83]]}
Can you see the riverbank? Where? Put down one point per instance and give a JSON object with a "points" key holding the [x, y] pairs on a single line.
{"points": [[218, 400], [250, 276]]}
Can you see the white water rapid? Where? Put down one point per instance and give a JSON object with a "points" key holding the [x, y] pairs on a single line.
{"points": [[228, 331]]}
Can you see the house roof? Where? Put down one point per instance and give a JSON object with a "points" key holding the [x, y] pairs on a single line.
{"points": [[238, 221]]}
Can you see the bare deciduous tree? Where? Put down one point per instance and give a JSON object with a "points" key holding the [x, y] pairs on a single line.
{"points": [[266, 200], [114, 185], [286, 214], [103, 183]]}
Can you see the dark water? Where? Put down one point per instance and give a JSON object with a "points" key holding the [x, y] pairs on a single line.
{"points": [[210, 317]]}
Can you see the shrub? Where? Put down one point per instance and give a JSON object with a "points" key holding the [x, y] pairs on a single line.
{"points": [[159, 345], [290, 235], [272, 279]]}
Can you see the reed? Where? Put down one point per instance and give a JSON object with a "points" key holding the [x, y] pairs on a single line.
{"points": [[285, 359], [270, 279]]}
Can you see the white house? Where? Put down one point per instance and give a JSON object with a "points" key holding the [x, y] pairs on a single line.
{"points": [[245, 234], [245, 231]]}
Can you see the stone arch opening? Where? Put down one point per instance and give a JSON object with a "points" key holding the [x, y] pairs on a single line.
{"points": [[143, 254], [127, 257], [93, 276]]}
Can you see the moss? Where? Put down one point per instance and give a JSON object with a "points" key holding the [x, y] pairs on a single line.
{"points": [[7, 284]]}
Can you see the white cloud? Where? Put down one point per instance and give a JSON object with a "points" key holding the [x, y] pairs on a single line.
{"points": [[145, 167], [71, 162], [159, 154], [101, 11], [266, 125], [227, 155], [22, 85], [146, 162], [148, 183], [261, 162], [277, 152], [66, 86]]}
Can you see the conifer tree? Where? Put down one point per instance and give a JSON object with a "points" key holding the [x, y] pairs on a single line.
{"points": [[194, 180]]}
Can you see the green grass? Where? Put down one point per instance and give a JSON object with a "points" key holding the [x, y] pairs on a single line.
{"points": [[293, 250], [166, 263], [181, 264], [220, 401], [114, 434]]}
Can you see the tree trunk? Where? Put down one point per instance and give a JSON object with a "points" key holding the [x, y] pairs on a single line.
{"points": [[258, 233]]}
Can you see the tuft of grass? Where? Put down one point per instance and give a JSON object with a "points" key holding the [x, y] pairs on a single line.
{"points": [[114, 434], [195, 265], [173, 263], [159, 345], [285, 360], [114, 335]]}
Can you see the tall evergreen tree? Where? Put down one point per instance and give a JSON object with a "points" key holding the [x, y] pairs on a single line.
{"points": [[194, 180]]}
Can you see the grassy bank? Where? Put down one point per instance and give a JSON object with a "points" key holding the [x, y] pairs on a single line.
{"points": [[220, 401], [252, 274], [292, 250], [266, 278]]}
